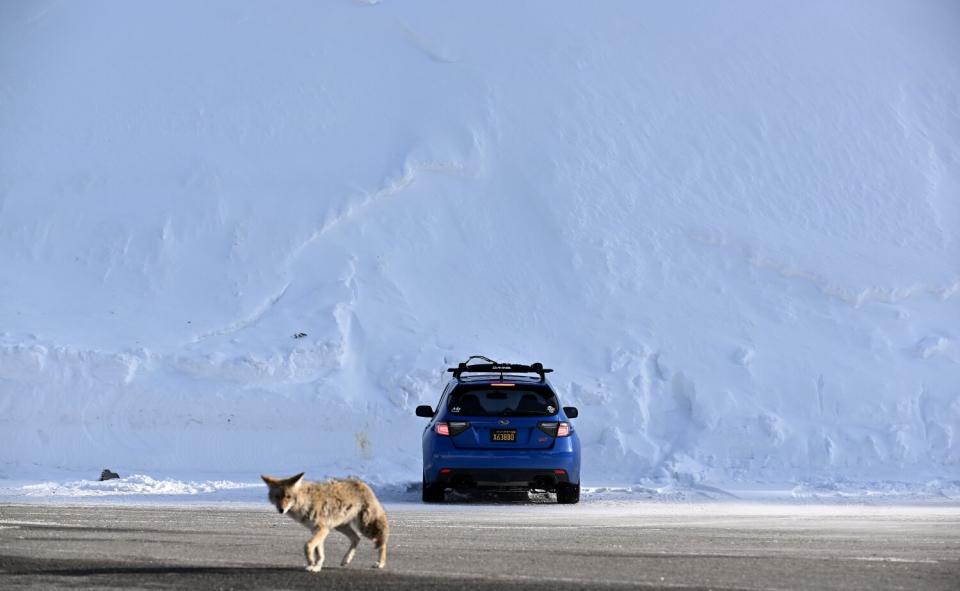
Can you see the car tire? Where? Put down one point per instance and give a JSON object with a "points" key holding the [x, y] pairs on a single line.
{"points": [[568, 494], [431, 493]]}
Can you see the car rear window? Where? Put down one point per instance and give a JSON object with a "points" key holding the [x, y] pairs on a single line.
{"points": [[502, 402]]}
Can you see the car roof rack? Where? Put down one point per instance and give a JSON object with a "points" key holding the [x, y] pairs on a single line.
{"points": [[495, 367]]}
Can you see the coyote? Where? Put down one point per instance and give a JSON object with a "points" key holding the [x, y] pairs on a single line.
{"points": [[347, 505]]}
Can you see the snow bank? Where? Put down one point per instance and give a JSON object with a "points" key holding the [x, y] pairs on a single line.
{"points": [[137, 484], [731, 229]]}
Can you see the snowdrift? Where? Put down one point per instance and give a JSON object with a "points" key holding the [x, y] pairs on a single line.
{"points": [[731, 229]]}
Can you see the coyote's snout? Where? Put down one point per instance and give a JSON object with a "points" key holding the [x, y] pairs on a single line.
{"points": [[348, 506]]}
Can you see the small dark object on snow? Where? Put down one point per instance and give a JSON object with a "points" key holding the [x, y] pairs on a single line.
{"points": [[299, 335], [108, 474]]}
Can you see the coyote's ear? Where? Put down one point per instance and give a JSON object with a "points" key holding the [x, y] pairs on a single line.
{"points": [[269, 480], [294, 481]]}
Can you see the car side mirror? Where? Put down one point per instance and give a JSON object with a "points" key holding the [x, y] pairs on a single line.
{"points": [[424, 411], [571, 412]]}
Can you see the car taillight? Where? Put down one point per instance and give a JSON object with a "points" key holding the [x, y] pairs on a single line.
{"points": [[451, 429], [555, 429]]}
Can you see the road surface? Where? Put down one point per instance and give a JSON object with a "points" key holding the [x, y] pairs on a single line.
{"points": [[491, 546]]}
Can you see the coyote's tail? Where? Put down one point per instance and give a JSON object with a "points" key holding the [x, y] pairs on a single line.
{"points": [[373, 521]]}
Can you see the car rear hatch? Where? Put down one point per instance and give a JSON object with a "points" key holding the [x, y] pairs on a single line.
{"points": [[511, 417]]}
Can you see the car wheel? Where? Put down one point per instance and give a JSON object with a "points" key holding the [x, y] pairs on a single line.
{"points": [[568, 494], [431, 493]]}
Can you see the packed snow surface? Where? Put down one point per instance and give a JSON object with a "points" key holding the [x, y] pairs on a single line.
{"points": [[238, 490], [731, 228]]}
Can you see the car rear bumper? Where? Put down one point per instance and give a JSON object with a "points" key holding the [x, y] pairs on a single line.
{"points": [[503, 468], [502, 478]]}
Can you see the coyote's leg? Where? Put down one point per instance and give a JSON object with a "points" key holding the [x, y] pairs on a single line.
{"points": [[347, 530], [382, 548], [314, 550], [381, 543]]}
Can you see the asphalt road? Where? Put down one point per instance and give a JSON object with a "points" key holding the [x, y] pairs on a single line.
{"points": [[514, 546]]}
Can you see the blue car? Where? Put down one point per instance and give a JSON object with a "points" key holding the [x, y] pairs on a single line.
{"points": [[497, 427]]}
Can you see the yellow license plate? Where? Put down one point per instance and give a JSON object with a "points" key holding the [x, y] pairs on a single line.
{"points": [[503, 435]]}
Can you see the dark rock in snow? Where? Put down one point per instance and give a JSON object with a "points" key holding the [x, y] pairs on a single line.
{"points": [[108, 474]]}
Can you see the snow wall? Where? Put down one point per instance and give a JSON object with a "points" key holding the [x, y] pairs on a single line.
{"points": [[732, 229]]}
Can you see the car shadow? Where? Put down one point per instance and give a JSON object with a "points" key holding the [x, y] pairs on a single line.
{"points": [[499, 498]]}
